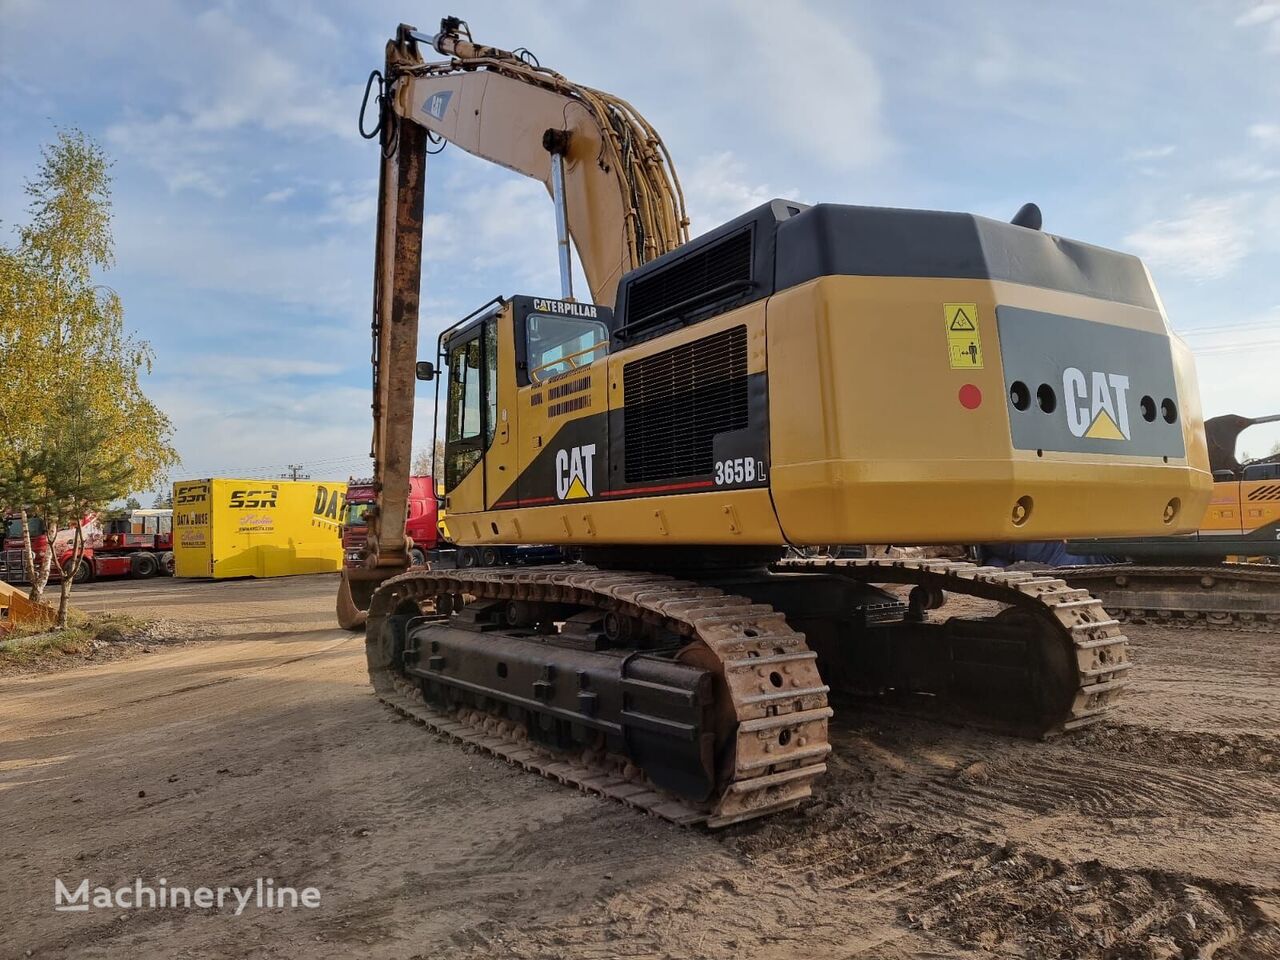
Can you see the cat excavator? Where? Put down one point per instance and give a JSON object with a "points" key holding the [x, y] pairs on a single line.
{"points": [[1227, 573], [802, 374]]}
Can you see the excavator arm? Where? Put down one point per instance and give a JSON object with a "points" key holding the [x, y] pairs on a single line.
{"points": [[622, 203], [610, 176]]}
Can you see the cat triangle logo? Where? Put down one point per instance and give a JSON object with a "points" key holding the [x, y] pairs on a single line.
{"points": [[1097, 404], [1104, 428], [575, 472]]}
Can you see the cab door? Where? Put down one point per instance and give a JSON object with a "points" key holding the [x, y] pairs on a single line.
{"points": [[480, 450], [501, 462], [464, 441]]}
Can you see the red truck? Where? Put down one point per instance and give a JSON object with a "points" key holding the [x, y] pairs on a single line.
{"points": [[139, 545], [422, 527]]}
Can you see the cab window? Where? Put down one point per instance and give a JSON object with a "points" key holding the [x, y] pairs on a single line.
{"points": [[13, 528], [472, 401], [558, 345], [464, 392]]}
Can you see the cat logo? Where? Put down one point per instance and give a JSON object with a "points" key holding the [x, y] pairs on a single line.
{"points": [[574, 475], [437, 103], [1096, 407]]}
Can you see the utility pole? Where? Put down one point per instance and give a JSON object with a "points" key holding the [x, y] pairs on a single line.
{"points": [[294, 473]]}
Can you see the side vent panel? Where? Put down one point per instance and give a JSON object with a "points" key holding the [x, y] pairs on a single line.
{"points": [[677, 401], [691, 284]]}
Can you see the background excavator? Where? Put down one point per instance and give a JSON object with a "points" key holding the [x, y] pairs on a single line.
{"points": [[1226, 573], [799, 375]]}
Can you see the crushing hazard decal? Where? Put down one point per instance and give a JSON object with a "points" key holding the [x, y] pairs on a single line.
{"points": [[964, 342]]}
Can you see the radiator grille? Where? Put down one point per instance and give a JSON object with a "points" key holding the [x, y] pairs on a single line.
{"points": [[695, 281], [675, 402]]}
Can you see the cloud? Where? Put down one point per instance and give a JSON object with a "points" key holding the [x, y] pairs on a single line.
{"points": [[231, 84], [498, 224], [258, 434], [1266, 134], [229, 434], [166, 147], [1247, 170], [328, 274], [354, 204], [250, 82], [1206, 241], [219, 368], [720, 188], [1267, 16], [831, 105], [1150, 153], [279, 196]]}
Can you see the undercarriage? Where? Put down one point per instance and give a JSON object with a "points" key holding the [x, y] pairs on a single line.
{"points": [[1243, 596], [704, 699]]}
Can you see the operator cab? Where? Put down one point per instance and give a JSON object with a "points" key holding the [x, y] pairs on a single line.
{"points": [[526, 360]]}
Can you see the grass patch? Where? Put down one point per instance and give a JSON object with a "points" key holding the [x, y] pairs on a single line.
{"points": [[84, 633]]}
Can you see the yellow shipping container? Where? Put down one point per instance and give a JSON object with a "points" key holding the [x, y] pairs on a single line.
{"points": [[257, 528]]}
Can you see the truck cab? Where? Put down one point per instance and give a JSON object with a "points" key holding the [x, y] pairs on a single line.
{"points": [[422, 526]]}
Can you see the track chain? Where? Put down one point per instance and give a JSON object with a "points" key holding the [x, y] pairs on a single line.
{"points": [[1101, 649], [1200, 605], [765, 668]]}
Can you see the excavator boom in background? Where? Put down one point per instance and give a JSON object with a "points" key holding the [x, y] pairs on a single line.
{"points": [[799, 375]]}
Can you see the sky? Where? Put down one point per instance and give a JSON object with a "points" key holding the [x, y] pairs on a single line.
{"points": [[244, 198]]}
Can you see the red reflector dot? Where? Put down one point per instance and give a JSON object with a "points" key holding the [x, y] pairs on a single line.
{"points": [[970, 396]]}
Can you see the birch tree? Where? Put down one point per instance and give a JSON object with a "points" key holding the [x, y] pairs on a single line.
{"points": [[68, 368]]}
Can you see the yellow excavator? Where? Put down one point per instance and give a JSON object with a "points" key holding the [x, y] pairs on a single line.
{"points": [[802, 374], [1227, 573]]}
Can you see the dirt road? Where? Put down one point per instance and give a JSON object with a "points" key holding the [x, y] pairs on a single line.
{"points": [[262, 754]]}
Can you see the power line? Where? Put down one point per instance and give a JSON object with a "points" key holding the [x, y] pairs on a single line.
{"points": [[295, 473]]}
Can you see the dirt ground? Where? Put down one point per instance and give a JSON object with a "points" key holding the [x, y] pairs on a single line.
{"points": [[263, 754]]}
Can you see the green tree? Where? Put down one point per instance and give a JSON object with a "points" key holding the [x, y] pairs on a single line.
{"points": [[78, 471], [68, 369]]}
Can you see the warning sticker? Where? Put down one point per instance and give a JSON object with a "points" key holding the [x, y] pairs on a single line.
{"points": [[964, 343]]}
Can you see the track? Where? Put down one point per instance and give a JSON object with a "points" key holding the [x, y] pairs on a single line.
{"points": [[779, 728], [1243, 596], [1071, 615]]}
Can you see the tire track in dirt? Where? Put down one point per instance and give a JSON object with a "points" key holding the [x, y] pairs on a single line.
{"points": [[989, 895], [902, 890]]}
